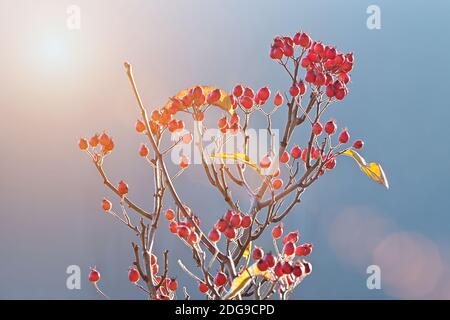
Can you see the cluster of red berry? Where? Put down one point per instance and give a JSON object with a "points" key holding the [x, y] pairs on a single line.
{"points": [[104, 142], [325, 66], [183, 227], [230, 225], [284, 267]]}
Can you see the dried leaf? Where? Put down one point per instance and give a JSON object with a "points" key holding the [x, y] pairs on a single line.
{"points": [[373, 170], [224, 102]]}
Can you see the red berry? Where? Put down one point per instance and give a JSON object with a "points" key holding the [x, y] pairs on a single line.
{"points": [[193, 238], [228, 215], [133, 275], [331, 163], [143, 151], [248, 92], [303, 250], [308, 267], [184, 162], [276, 53], [222, 123], [310, 76], [330, 127], [173, 227], [320, 79], [202, 287], [238, 90], [277, 231], [230, 233], [277, 184], [302, 87], [122, 188], [221, 225], [330, 91], [263, 94], [317, 128], [246, 222], [265, 162], [340, 93], [278, 100], [305, 62], [304, 40], [291, 237], [344, 136], [93, 141], [183, 231], [140, 126], [296, 152], [358, 144], [246, 102], [83, 144], [213, 96], [170, 214], [287, 268], [270, 260], [297, 271], [220, 279], [173, 285], [294, 90], [278, 270], [94, 276], [262, 265], [318, 48], [288, 50], [214, 235], [197, 92], [285, 157], [330, 53], [106, 205], [257, 253], [289, 249], [235, 220]]}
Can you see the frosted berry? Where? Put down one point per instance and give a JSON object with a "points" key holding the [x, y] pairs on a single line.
{"points": [[330, 127], [122, 188], [143, 150], [83, 144], [277, 231], [220, 279], [106, 205], [278, 100], [258, 253], [317, 128], [94, 275], [214, 235], [263, 94], [170, 214], [202, 287], [246, 222], [284, 158], [358, 144], [296, 152], [133, 275], [344, 136]]}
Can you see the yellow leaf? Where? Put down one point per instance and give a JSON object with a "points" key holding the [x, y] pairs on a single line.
{"points": [[243, 280], [373, 170], [246, 253], [242, 157], [224, 102]]}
